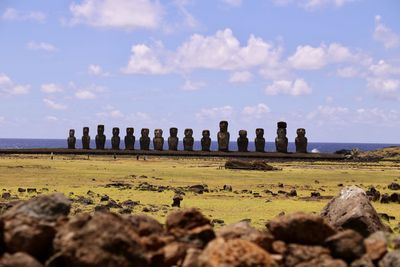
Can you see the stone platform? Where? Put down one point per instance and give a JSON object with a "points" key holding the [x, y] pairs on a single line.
{"points": [[168, 153]]}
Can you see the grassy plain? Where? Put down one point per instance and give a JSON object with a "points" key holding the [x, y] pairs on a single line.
{"points": [[78, 174]]}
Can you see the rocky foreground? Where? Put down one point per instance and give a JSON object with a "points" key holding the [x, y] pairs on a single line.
{"points": [[348, 232]]}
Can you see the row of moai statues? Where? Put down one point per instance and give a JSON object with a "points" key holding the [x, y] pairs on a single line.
{"points": [[223, 137]]}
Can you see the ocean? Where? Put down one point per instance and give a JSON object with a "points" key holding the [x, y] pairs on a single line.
{"points": [[270, 146]]}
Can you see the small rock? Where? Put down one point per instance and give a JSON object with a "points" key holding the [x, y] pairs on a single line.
{"points": [[394, 186], [6, 195], [104, 198], [391, 259], [376, 245], [19, 259], [315, 194], [227, 187], [177, 200], [293, 193], [347, 245], [31, 190], [21, 190], [385, 198]]}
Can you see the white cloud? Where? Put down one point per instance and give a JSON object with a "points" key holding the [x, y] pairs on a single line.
{"points": [[97, 70], [50, 88], [311, 5], [51, 118], [221, 113], [312, 58], [257, 111], [384, 87], [348, 72], [240, 77], [192, 85], [385, 35], [126, 14], [114, 114], [383, 69], [85, 94], [8, 87], [41, 46], [235, 3], [12, 14], [295, 88], [221, 51], [53, 105]]}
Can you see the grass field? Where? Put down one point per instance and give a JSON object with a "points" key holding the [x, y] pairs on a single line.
{"points": [[78, 175]]}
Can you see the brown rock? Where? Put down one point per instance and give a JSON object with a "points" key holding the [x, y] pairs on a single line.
{"points": [[185, 220], [235, 253], [347, 245], [300, 228], [192, 258], [376, 246], [145, 225], [391, 259], [306, 256], [30, 226], [351, 209], [279, 247], [101, 239], [243, 230], [19, 259], [364, 261]]}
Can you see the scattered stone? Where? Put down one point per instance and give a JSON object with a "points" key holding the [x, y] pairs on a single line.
{"points": [[376, 246], [296, 228], [351, 209], [21, 190], [6, 195], [145, 225], [385, 198], [84, 200], [130, 203], [199, 189], [227, 187], [315, 194], [395, 197], [185, 220], [306, 256], [104, 198], [177, 200], [391, 259], [364, 261], [31, 190], [394, 186], [116, 242], [19, 259], [235, 253], [373, 194], [347, 245], [30, 226], [101, 208], [293, 193]]}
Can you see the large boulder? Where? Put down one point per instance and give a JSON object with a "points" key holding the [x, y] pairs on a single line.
{"points": [[19, 259], [30, 226], [101, 239], [301, 228], [235, 253], [351, 209], [243, 230]]}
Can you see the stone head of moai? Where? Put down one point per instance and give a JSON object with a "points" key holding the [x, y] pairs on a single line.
{"points": [[85, 131], [158, 133], [281, 131], [206, 133], [223, 126], [115, 131], [71, 133], [173, 132], [281, 141], [100, 129], [260, 132], [145, 132], [301, 132], [129, 131], [243, 133], [188, 132]]}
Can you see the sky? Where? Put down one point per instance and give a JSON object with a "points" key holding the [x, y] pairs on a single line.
{"points": [[329, 66]]}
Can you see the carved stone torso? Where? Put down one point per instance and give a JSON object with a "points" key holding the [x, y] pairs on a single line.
{"points": [[206, 141], [145, 139], [86, 138], [71, 139], [259, 141], [223, 136], [173, 139], [129, 139], [301, 141], [115, 139], [242, 141], [188, 140], [100, 137], [281, 141], [158, 140]]}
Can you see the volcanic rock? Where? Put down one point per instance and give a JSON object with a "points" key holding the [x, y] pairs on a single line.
{"points": [[305, 256], [351, 209], [394, 186], [19, 259], [347, 245], [391, 259]]}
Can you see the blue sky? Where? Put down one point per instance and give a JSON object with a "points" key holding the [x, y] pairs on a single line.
{"points": [[330, 66]]}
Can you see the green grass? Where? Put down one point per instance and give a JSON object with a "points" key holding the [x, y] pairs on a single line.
{"points": [[78, 174]]}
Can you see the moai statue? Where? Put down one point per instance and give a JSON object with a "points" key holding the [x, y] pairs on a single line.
{"points": [[71, 139], [188, 140], [205, 141], [223, 136], [281, 141], [86, 138], [173, 139], [100, 137], [145, 139], [301, 141], [242, 141], [259, 141], [115, 139], [158, 140], [129, 139]]}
